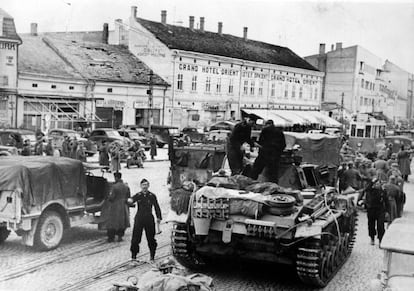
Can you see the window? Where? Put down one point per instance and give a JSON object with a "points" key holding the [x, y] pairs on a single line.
{"points": [[180, 82], [53, 86], [360, 132], [362, 83], [4, 81], [252, 85], [208, 84], [366, 84], [3, 105], [194, 83], [273, 90], [261, 89], [373, 87], [34, 85], [245, 87], [353, 129], [286, 90], [71, 88], [294, 91], [231, 86], [316, 94], [368, 131], [109, 90], [218, 86], [300, 92], [361, 66], [361, 101]]}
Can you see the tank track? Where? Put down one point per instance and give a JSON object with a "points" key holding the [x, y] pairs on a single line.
{"points": [[318, 262], [182, 248]]}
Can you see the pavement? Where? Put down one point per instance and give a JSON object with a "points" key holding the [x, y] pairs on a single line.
{"points": [[85, 261]]}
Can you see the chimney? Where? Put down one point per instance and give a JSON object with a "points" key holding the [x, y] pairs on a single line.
{"points": [[191, 22], [164, 16], [332, 47], [245, 33], [105, 33], [33, 29], [201, 24], [134, 12], [220, 28], [339, 45], [322, 47]]}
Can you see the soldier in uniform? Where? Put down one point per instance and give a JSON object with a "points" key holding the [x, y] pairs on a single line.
{"points": [[271, 145], [144, 219], [26, 150], [241, 134]]}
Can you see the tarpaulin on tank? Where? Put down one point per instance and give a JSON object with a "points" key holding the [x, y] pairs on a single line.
{"points": [[319, 149], [42, 178]]}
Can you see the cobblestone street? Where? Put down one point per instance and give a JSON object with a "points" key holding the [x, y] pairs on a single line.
{"points": [[84, 253]]}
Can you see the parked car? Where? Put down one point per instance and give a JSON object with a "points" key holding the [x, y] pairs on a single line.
{"points": [[135, 136], [15, 137], [398, 268], [58, 134], [397, 141], [223, 125], [194, 134], [111, 135], [8, 151], [162, 133]]}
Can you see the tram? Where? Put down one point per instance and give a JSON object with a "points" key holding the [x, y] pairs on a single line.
{"points": [[366, 133]]}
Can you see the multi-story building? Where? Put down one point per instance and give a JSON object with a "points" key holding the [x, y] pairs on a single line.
{"points": [[72, 79], [362, 82], [9, 45], [214, 75]]}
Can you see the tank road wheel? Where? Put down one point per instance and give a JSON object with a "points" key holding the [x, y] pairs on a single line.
{"points": [[353, 223], [4, 234], [49, 231], [182, 249]]}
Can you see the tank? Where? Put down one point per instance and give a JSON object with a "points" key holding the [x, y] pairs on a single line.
{"points": [[301, 221]]}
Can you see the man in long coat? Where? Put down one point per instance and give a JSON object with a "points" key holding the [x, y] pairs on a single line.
{"points": [[117, 209], [403, 157], [103, 154], [153, 149]]}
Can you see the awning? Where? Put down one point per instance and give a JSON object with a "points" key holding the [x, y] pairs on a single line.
{"points": [[310, 118], [269, 114], [324, 120]]}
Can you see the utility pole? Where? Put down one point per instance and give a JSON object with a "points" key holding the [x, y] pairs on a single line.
{"points": [[150, 100], [342, 111]]}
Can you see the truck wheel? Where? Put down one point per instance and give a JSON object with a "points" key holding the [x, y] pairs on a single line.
{"points": [[4, 234], [49, 231]]}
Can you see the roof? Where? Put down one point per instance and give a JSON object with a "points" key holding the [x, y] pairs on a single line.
{"points": [[36, 57], [18, 130], [103, 62], [9, 29], [186, 39], [79, 36], [399, 237]]}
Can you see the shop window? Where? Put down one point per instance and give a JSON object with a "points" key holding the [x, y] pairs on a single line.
{"points": [[273, 90], [261, 89], [194, 84], [34, 85], [208, 84], [245, 87], [180, 82], [218, 85], [109, 90], [231, 86], [71, 88], [252, 87]]}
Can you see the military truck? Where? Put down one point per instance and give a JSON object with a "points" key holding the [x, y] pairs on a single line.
{"points": [[300, 222], [40, 197]]}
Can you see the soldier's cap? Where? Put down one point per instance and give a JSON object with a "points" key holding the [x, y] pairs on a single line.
{"points": [[144, 181]]}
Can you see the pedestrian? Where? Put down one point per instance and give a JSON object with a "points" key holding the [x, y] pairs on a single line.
{"points": [[393, 194], [271, 145], [381, 167], [115, 160], [65, 147], [80, 152], [39, 147], [392, 160], [117, 218], [341, 171], [240, 134], [351, 178], [389, 151], [403, 158], [27, 149], [144, 219], [374, 199], [49, 148], [103, 154], [73, 146], [153, 149]]}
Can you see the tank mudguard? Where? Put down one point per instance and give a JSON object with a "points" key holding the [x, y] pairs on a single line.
{"points": [[174, 217]]}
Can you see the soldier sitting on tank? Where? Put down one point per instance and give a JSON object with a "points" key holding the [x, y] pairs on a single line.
{"points": [[271, 145], [240, 134]]}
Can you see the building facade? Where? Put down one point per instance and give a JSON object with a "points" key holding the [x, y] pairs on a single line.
{"points": [[214, 76], [357, 81], [9, 45]]}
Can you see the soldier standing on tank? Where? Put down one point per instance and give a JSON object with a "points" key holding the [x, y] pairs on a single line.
{"points": [[271, 145], [144, 219], [374, 197], [240, 134]]}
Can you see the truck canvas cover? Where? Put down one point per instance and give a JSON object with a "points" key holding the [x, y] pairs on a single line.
{"points": [[42, 179], [319, 149]]}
